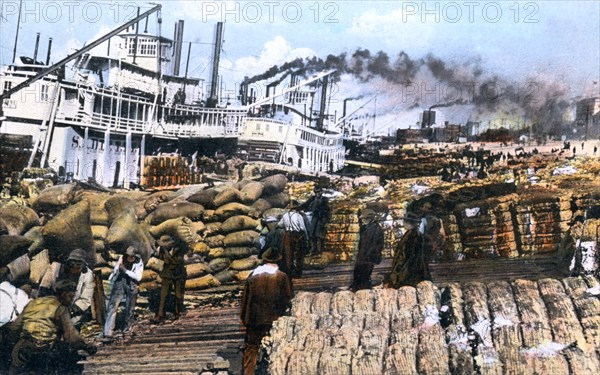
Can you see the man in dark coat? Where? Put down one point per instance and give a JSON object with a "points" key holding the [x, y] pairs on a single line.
{"points": [[569, 249], [409, 266], [267, 295], [370, 246], [173, 274], [317, 206], [48, 341]]}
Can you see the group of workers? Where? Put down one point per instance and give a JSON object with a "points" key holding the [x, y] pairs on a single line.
{"points": [[45, 339]]}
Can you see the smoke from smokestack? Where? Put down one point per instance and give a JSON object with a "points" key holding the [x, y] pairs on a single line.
{"points": [[391, 78]]}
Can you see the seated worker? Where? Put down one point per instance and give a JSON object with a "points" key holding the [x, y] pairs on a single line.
{"points": [[76, 270], [48, 341]]}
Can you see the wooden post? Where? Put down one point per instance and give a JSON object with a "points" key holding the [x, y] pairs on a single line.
{"points": [[98, 299]]}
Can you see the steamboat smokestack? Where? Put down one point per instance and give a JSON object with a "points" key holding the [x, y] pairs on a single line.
{"points": [[37, 45], [49, 51], [323, 103]]}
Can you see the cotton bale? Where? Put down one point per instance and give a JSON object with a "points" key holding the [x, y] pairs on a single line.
{"points": [[219, 264], [12, 247], [126, 231], [155, 264], [231, 209], [200, 248], [205, 198], [241, 238], [226, 276], [172, 210], [279, 200], [37, 238], [215, 241], [154, 200], [197, 269], [273, 184], [17, 219], [233, 252], [212, 229], [245, 264], [204, 282], [259, 207], [68, 230], [251, 191], [228, 195], [238, 223], [54, 198], [116, 205]]}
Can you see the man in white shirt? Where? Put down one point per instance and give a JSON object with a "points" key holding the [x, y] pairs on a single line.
{"points": [[125, 278], [76, 270], [293, 243]]}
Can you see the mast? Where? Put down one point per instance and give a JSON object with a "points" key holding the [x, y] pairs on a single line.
{"points": [[212, 98], [17, 34]]}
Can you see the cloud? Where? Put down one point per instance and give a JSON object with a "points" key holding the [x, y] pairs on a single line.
{"points": [[392, 27], [274, 52]]}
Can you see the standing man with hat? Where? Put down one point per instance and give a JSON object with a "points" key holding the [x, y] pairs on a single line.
{"points": [[317, 208], [267, 295], [370, 246], [125, 277], [173, 275], [48, 341], [409, 266], [293, 243], [75, 269]]}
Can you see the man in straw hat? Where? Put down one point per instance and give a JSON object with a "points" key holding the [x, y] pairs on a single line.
{"points": [[125, 277], [267, 295], [370, 246], [173, 275], [48, 341], [76, 270]]}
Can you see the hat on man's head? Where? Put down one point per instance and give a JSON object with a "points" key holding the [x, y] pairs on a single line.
{"points": [[270, 219], [271, 256], [65, 285], [77, 255], [367, 213], [131, 251], [165, 241]]}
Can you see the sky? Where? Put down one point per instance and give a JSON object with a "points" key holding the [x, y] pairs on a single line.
{"points": [[552, 42]]}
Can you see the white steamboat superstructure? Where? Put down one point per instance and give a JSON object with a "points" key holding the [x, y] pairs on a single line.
{"points": [[286, 129], [125, 98]]}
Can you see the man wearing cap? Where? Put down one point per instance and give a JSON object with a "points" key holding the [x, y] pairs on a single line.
{"points": [[48, 341], [125, 278], [267, 295], [75, 269], [370, 246], [173, 275]]}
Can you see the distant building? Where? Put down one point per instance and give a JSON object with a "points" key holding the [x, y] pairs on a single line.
{"points": [[447, 133], [407, 136], [587, 113]]}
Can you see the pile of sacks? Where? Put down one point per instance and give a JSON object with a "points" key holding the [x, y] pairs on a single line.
{"points": [[220, 225]]}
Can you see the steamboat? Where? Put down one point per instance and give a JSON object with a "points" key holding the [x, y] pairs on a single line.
{"points": [[127, 102]]}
